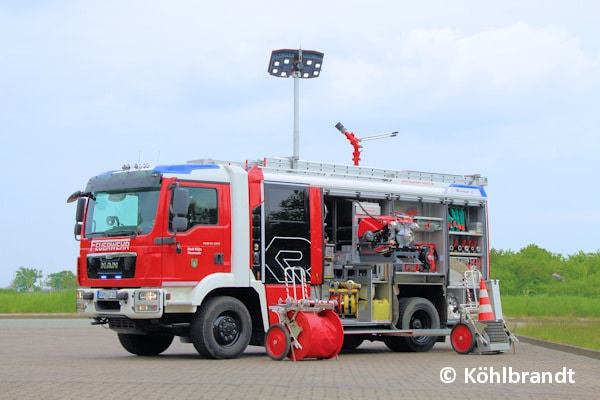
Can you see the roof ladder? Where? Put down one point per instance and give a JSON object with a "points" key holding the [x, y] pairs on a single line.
{"points": [[351, 171]]}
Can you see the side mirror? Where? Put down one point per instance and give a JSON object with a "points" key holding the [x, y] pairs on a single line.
{"points": [[78, 230], [180, 224], [81, 203], [181, 202]]}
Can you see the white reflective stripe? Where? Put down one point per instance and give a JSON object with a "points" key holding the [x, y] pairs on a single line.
{"points": [[179, 284]]}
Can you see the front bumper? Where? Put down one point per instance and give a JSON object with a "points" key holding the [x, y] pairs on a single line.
{"points": [[138, 303]]}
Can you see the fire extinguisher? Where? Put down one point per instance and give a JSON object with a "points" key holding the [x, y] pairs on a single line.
{"points": [[431, 260], [432, 257], [428, 256]]}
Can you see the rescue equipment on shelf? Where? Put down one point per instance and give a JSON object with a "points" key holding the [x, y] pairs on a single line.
{"points": [[345, 295], [471, 279], [428, 256], [387, 233], [307, 328], [456, 219]]}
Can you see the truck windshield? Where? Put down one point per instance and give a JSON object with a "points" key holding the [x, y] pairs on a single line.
{"points": [[117, 214]]}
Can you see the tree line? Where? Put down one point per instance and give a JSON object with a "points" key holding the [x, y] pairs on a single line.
{"points": [[535, 271], [33, 280]]}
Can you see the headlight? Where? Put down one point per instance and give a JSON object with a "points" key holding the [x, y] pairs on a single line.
{"points": [[147, 300], [148, 295], [83, 299], [81, 294]]}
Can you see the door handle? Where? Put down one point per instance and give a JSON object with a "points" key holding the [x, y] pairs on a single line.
{"points": [[219, 258]]}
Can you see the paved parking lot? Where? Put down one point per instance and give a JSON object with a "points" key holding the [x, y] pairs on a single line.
{"points": [[69, 359]]}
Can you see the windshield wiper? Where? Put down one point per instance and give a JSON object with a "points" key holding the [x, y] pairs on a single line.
{"points": [[122, 232], [96, 234]]}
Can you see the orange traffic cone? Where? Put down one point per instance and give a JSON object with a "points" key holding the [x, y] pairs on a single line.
{"points": [[485, 307]]}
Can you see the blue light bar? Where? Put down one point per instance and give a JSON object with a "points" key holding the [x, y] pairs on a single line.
{"points": [[183, 168]]}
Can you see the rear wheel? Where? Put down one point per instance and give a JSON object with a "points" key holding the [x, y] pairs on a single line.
{"points": [[277, 342], [462, 339], [145, 345], [222, 328], [415, 313]]}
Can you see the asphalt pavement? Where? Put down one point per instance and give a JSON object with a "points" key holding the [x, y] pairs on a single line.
{"points": [[67, 358]]}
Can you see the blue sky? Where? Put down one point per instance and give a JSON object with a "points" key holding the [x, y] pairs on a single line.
{"points": [[507, 89]]}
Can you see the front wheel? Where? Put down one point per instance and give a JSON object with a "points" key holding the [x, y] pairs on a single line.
{"points": [[222, 328], [145, 345]]}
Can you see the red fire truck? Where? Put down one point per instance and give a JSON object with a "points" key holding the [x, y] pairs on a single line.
{"points": [[199, 250]]}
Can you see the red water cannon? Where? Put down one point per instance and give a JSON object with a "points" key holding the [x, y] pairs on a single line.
{"points": [[354, 141]]}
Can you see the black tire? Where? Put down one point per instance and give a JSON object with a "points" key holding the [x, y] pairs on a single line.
{"points": [[351, 342], [221, 328], [397, 343], [145, 345], [395, 310], [415, 313]]}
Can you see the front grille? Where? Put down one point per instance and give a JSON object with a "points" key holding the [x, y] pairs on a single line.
{"points": [[111, 267], [120, 323]]}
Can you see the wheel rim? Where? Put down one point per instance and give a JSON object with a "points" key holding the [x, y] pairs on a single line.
{"points": [[226, 329], [420, 320], [462, 338], [277, 343]]}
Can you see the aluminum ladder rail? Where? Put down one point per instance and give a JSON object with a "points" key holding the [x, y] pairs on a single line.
{"points": [[351, 171]]}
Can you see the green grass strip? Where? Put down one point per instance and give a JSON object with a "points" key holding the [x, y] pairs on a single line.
{"points": [[550, 306], [573, 331], [12, 302]]}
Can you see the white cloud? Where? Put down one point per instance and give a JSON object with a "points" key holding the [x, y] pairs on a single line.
{"points": [[519, 55], [507, 59]]}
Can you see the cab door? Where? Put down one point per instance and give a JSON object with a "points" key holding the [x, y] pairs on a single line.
{"points": [[204, 248]]}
